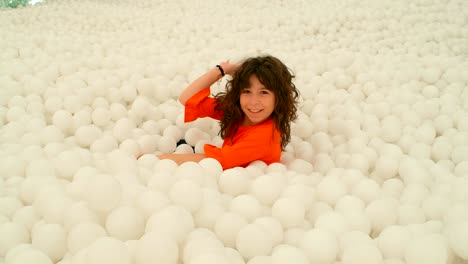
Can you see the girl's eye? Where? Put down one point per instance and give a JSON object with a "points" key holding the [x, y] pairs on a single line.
{"points": [[245, 91]]}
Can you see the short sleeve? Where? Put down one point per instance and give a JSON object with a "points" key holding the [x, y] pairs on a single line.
{"points": [[201, 105]]}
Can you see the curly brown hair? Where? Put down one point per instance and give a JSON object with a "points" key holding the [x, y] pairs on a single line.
{"points": [[276, 77]]}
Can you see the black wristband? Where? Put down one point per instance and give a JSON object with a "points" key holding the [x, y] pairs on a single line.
{"points": [[220, 69]]}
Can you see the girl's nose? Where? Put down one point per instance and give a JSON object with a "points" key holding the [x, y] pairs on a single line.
{"points": [[255, 98]]}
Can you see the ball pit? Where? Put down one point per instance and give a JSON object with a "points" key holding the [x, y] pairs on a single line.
{"points": [[376, 170]]}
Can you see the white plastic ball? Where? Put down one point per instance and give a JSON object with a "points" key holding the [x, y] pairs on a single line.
{"points": [[53, 104], [130, 146], [246, 205], [352, 238], [382, 213], [455, 213], [301, 192], [81, 118], [78, 213], [155, 248], [284, 254], [173, 132], [362, 253], [273, 227], [86, 135], [11, 235], [207, 215], [459, 154], [317, 209], [461, 169], [414, 194], [333, 222], [103, 193], [184, 149], [331, 189], [304, 151], [212, 167], [210, 258], [9, 206], [227, 226], [27, 216], [14, 252], [366, 189], [82, 235], [106, 143], [351, 177], [117, 111], [323, 163], [51, 239], [442, 123], [391, 129], [167, 144], [129, 92], [151, 201], [194, 135], [125, 223], [233, 256], [301, 165], [431, 75], [320, 246], [392, 188], [234, 181], [121, 161], [430, 91], [393, 240], [50, 134], [266, 188], [108, 250], [293, 236], [349, 203], [410, 214], [191, 171], [457, 238], [63, 120], [360, 162], [162, 180], [67, 163], [15, 113], [123, 129], [253, 241], [289, 211], [173, 221], [101, 116], [31, 256], [430, 248], [434, 206], [201, 244], [186, 193], [260, 260], [386, 167], [441, 149]]}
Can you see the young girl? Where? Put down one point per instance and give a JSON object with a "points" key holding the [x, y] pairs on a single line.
{"points": [[255, 112]]}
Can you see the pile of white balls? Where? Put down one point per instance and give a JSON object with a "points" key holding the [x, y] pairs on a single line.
{"points": [[376, 170]]}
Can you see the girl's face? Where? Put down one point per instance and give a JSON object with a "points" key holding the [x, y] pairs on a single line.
{"points": [[257, 102]]}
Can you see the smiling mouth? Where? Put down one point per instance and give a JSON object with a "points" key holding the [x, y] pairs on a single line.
{"points": [[255, 111]]}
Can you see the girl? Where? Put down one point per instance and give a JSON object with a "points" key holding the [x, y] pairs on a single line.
{"points": [[255, 112]]}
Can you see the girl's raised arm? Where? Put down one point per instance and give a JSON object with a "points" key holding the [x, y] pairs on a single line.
{"points": [[206, 80]]}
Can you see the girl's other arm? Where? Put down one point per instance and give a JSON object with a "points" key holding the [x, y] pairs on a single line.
{"points": [[206, 80]]}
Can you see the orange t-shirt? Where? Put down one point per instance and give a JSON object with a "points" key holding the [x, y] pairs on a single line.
{"points": [[250, 143]]}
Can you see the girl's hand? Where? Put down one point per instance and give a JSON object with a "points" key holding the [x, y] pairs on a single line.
{"points": [[229, 68]]}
